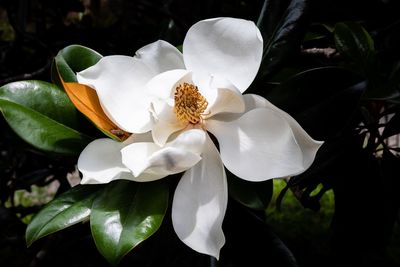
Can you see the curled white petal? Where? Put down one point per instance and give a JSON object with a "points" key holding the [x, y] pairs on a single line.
{"points": [[165, 122], [308, 145], [120, 82], [100, 162], [228, 99], [147, 158], [163, 130], [225, 47], [262, 145], [200, 202]]}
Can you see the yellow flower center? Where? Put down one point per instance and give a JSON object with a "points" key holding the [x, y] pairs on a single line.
{"points": [[189, 103]]}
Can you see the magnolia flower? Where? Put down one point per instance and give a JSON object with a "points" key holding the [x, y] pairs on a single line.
{"points": [[171, 101]]}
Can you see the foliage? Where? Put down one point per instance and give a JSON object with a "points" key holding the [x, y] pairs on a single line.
{"points": [[335, 67]]}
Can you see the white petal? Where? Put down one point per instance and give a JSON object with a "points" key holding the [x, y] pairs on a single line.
{"points": [[192, 140], [260, 145], [120, 83], [100, 162], [200, 202], [162, 130], [177, 156], [162, 88], [160, 56], [228, 98], [308, 145], [226, 47], [163, 85], [165, 122], [135, 138]]}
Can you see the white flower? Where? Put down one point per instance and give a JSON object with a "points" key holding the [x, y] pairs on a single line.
{"points": [[170, 101]]}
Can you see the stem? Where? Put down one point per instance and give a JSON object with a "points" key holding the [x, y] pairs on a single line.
{"points": [[213, 262]]}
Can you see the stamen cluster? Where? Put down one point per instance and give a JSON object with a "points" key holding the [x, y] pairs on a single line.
{"points": [[189, 103]]}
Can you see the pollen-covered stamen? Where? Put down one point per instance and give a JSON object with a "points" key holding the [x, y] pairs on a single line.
{"points": [[189, 103]]}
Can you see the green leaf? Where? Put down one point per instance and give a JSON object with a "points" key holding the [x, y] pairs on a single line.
{"points": [[282, 26], [42, 115], [72, 59], [254, 195], [70, 208], [43, 97], [126, 214], [354, 42]]}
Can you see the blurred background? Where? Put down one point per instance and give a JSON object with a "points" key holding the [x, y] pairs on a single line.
{"points": [[342, 212]]}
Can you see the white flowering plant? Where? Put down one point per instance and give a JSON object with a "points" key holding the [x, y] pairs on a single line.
{"points": [[177, 135]]}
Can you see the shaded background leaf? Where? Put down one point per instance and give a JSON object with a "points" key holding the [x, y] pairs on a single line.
{"points": [[254, 195], [66, 210], [282, 25]]}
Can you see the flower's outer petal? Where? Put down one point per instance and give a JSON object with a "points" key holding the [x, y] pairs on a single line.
{"points": [[308, 145], [261, 145], [160, 56], [100, 162], [226, 47], [200, 202], [146, 158], [120, 82]]}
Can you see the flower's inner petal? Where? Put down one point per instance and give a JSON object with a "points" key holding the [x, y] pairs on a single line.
{"points": [[162, 130], [120, 83], [100, 162], [225, 47], [258, 146], [147, 158], [204, 84], [174, 104], [163, 85], [228, 98], [200, 202]]}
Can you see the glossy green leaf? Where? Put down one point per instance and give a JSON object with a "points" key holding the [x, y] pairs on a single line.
{"points": [[255, 195], [126, 214], [42, 97], [353, 41], [67, 209], [282, 26], [72, 59], [42, 115]]}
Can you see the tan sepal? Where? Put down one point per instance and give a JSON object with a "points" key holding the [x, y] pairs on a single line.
{"points": [[87, 102]]}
